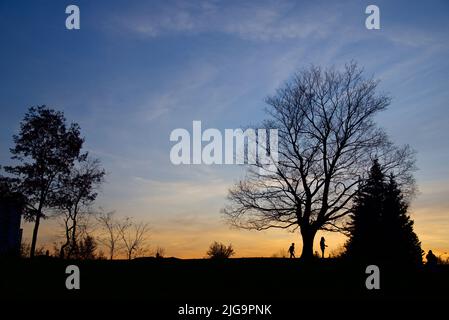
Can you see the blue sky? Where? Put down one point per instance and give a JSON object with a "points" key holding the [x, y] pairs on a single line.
{"points": [[137, 70]]}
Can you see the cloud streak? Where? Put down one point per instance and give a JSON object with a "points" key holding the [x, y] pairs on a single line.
{"points": [[260, 21]]}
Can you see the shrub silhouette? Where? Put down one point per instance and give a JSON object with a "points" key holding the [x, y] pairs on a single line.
{"points": [[87, 248], [160, 253], [218, 250]]}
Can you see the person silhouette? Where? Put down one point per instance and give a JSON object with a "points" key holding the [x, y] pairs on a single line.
{"points": [[292, 251], [322, 246], [431, 259]]}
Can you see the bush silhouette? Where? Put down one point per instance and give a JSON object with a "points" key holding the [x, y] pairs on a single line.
{"points": [[218, 250], [87, 248]]}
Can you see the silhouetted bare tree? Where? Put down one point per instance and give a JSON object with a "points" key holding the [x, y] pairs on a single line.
{"points": [[110, 234], [77, 191], [134, 236], [327, 141]]}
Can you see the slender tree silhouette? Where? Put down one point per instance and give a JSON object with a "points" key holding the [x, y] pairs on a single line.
{"points": [[46, 148], [110, 234], [77, 190]]}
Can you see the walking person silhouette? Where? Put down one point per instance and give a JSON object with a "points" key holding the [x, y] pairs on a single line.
{"points": [[292, 251], [322, 246]]}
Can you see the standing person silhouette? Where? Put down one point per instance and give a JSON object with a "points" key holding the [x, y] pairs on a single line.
{"points": [[322, 246], [292, 251], [431, 259]]}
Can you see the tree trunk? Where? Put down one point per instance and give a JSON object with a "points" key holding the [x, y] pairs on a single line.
{"points": [[308, 235], [61, 251], [74, 245], [67, 241], [34, 239]]}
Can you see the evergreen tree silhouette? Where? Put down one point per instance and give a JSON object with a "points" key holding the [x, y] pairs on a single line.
{"points": [[380, 230], [403, 241]]}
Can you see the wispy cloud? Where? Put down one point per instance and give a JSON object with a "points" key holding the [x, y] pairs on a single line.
{"points": [[261, 20]]}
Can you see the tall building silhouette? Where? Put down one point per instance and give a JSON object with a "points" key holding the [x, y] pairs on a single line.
{"points": [[10, 219]]}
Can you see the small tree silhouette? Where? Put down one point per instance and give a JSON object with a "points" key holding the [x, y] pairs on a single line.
{"points": [[87, 248], [218, 250], [78, 189], [110, 234], [134, 237]]}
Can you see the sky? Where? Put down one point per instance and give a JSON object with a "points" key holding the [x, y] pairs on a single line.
{"points": [[136, 70]]}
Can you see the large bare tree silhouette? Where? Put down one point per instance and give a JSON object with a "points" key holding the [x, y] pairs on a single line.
{"points": [[327, 141]]}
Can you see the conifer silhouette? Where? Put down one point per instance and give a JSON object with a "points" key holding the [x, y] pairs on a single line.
{"points": [[380, 229]]}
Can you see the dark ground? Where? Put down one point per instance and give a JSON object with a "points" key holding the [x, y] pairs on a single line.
{"points": [[176, 282]]}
